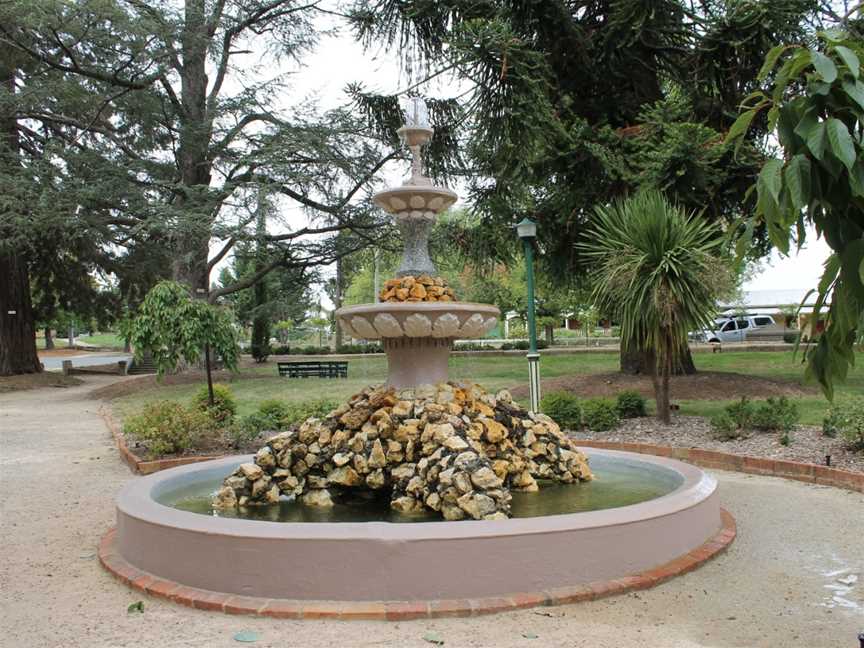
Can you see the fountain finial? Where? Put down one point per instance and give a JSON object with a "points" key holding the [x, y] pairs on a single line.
{"points": [[416, 133]]}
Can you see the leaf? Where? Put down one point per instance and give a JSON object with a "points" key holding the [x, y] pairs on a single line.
{"points": [[246, 636], [529, 635], [797, 177], [849, 58], [825, 67], [137, 606], [770, 61], [771, 179], [739, 128], [855, 91], [816, 141], [433, 638], [841, 142], [856, 179]]}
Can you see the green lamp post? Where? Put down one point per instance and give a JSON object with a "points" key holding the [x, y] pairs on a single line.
{"points": [[527, 231]]}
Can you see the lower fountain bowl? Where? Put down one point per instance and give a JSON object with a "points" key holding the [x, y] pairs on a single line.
{"points": [[425, 561]]}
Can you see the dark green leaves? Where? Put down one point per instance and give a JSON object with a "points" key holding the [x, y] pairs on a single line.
{"points": [[770, 61], [816, 140], [771, 180], [825, 67], [841, 142], [797, 179], [849, 58]]}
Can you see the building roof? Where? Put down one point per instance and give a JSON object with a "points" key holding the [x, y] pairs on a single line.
{"points": [[773, 299]]}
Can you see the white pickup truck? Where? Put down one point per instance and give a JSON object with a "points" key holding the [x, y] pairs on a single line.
{"points": [[734, 329]]}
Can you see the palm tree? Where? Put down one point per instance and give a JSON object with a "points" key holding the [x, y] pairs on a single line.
{"points": [[658, 271]]}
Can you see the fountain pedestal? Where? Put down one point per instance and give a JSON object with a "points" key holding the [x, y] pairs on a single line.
{"points": [[418, 336]]}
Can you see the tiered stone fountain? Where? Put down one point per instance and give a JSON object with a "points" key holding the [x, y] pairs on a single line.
{"points": [[437, 448], [448, 447]]}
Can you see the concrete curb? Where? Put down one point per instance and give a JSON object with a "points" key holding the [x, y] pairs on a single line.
{"points": [[406, 610]]}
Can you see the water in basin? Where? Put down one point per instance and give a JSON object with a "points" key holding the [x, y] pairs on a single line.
{"points": [[619, 482]]}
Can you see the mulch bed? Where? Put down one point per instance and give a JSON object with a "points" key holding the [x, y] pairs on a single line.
{"points": [[808, 444], [37, 380], [704, 385]]}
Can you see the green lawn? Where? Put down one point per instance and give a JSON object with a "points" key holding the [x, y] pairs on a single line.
{"points": [[500, 372], [99, 339]]}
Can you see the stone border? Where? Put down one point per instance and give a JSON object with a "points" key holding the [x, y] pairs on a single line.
{"points": [[406, 610], [143, 466], [806, 472]]}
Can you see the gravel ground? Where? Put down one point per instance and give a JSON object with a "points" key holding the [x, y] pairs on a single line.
{"points": [[794, 576], [807, 443]]}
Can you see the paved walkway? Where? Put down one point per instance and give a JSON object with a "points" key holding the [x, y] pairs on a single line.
{"points": [[85, 359], [786, 581]]}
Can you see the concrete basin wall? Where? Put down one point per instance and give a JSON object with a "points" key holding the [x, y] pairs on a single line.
{"points": [[376, 561]]}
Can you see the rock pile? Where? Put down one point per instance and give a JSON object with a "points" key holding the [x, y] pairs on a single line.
{"points": [[417, 289], [452, 448]]}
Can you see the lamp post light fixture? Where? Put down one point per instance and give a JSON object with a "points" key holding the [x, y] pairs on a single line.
{"points": [[527, 231]]}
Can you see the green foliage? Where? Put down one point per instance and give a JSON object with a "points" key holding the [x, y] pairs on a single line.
{"points": [[260, 347], [631, 404], [600, 414], [846, 420], [224, 406], [564, 409], [771, 415], [741, 412], [167, 427], [725, 428], [658, 271], [299, 412], [274, 409], [775, 414], [273, 415], [816, 106], [173, 326]]}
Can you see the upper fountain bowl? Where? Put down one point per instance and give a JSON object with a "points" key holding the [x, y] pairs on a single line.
{"points": [[442, 320], [415, 197]]}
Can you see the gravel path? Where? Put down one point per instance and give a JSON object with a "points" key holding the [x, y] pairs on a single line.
{"points": [[808, 444], [781, 582]]}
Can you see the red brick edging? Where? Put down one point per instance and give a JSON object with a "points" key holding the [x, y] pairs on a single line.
{"points": [[404, 610], [143, 466], [806, 472]]}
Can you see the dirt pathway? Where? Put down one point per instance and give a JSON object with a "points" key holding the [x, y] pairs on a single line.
{"points": [[781, 582]]}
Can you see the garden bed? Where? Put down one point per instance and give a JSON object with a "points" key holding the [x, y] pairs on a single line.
{"points": [[704, 385], [808, 444]]}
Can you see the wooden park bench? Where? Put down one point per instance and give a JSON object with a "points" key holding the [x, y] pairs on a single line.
{"points": [[313, 368]]}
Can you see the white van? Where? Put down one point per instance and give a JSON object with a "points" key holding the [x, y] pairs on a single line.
{"points": [[735, 329]]}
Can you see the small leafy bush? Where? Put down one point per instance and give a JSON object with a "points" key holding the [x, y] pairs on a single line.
{"points": [[790, 337], [600, 414], [224, 406], [741, 413], [775, 414], [273, 409], [508, 346], [847, 421], [631, 404], [260, 351], [247, 428], [564, 409], [167, 427], [314, 350], [281, 349], [298, 412], [724, 427], [360, 348]]}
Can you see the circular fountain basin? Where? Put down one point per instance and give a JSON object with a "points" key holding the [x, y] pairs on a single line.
{"points": [[386, 560]]}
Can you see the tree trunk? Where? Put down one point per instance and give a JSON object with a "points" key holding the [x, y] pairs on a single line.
{"points": [[337, 299], [17, 326], [636, 362], [207, 365], [49, 339], [17, 330], [192, 247], [550, 334]]}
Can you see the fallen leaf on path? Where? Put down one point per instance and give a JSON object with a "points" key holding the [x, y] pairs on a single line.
{"points": [[433, 638], [246, 636], [137, 606]]}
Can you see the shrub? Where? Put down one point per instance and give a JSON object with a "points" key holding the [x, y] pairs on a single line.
{"points": [[846, 420], [741, 413], [724, 428], [775, 414], [631, 404], [245, 430], [314, 350], [508, 346], [790, 337], [224, 406], [273, 409], [260, 351], [298, 412], [564, 409], [281, 349], [600, 414], [167, 427]]}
